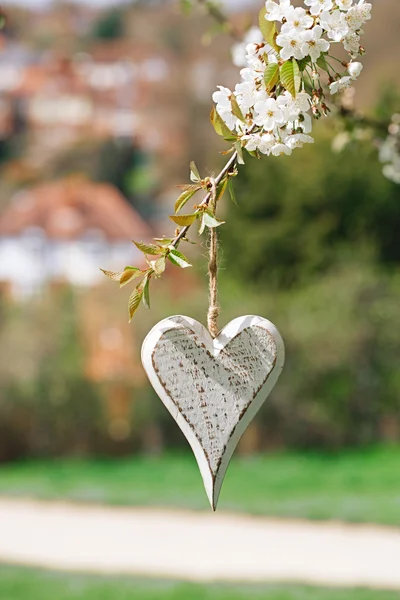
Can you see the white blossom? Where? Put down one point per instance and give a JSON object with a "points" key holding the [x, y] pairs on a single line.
{"points": [[354, 69], [340, 85], [334, 24], [268, 114], [280, 149], [224, 106], [296, 20], [275, 121], [314, 44], [298, 140], [276, 10], [351, 43], [247, 92], [292, 44], [318, 6], [344, 4]]}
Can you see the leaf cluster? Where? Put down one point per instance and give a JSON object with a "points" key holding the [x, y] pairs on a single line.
{"points": [[163, 250], [166, 249]]}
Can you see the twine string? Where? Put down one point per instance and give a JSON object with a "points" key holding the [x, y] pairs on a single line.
{"points": [[213, 308]]}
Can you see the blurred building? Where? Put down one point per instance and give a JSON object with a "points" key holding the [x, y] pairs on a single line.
{"points": [[64, 232]]}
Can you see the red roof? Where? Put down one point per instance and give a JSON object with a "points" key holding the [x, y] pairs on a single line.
{"points": [[67, 209]]}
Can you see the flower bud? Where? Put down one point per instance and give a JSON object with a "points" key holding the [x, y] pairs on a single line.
{"points": [[354, 69]]}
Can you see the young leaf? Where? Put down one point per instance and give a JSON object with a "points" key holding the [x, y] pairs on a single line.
{"points": [[129, 275], [148, 248], [268, 29], [290, 76], [202, 225], [189, 187], [239, 150], [112, 275], [211, 220], [184, 198], [219, 124], [236, 109], [146, 292], [178, 259], [159, 265], [221, 188], [194, 173], [164, 241], [134, 301], [271, 76], [184, 220], [232, 192], [226, 152]]}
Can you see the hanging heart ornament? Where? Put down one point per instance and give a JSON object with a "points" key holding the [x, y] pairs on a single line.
{"points": [[213, 388]]}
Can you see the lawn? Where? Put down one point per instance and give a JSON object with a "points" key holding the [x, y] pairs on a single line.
{"points": [[24, 584], [358, 486]]}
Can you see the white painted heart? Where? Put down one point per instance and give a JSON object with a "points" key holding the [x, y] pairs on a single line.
{"points": [[213, 388]]}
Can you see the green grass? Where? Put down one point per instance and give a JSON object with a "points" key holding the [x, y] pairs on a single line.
{"points": [[358, 486], [27, 584]]}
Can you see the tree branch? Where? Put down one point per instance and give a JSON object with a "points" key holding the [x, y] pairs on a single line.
{"points": [[227, 168]]}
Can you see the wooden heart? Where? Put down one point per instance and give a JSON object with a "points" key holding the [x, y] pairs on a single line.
{"points": [[213, 388]]}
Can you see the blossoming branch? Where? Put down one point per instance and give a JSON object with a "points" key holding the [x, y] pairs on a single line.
{"points": [[290, 72], [287, 61]]}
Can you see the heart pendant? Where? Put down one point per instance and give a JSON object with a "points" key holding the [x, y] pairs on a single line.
{"points": [[213, 388]]}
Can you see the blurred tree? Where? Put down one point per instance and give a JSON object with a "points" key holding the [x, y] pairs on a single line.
{"points": [[116, 161], [110, 25], [299, 217]]}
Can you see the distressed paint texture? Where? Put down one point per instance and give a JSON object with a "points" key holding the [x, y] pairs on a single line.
{"points": [[213, 393]]}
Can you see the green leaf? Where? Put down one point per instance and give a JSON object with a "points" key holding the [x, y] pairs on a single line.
{"points": [[148, 248], [189, 187], [236, 109], [211, 220], [134, 302], [194, 173], [271, 76], [202, 225], [159, 265], [114, 276], [221, 188], [290, 76], [129, 275], [232, 192], [268, 29], [164, 241], [184, 199], [239, 150], [146, 292], [184, 220], [219, 124], [178, 259]]}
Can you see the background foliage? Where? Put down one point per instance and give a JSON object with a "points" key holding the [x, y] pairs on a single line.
{"points": [[312, 246]]}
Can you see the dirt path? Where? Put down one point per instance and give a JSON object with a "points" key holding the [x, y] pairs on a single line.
{"points": [[197, 546]]}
